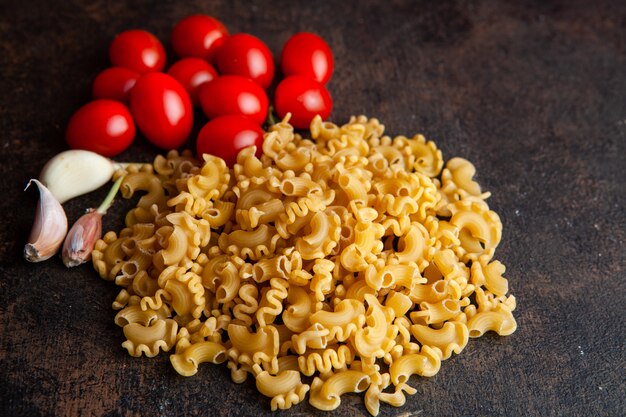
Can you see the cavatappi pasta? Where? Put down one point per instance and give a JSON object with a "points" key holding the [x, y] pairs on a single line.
{"points": [[346, 262]]}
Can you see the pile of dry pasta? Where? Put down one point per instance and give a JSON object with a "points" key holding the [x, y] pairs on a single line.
{"points": [[343, 263]]}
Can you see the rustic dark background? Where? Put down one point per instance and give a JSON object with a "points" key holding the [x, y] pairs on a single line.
{"points": [[534, 93]]}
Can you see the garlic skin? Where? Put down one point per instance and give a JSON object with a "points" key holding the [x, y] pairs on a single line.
{"points": [[81, 238], [49, 228], [76, 172]]}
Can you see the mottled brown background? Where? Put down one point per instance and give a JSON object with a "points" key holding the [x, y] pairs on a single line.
{"points": [[534, 93]]}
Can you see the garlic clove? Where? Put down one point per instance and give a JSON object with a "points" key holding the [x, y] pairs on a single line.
{"points": [[81, 239], [76, 172], [49, 228]]}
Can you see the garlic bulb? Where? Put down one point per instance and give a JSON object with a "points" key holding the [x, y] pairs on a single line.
{"points": [[76, 172], [49, 229]]}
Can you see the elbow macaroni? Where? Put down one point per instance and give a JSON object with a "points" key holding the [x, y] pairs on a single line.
{"points": [[353, 258]]}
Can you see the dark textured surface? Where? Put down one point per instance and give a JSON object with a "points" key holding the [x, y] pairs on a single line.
{"points": [[534, 95]]}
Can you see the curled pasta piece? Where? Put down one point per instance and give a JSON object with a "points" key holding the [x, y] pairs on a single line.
{"points": [[143, 181], [480, 230], [258, 346], [298, 309], [272, 303], [426, 363], [490, 276], [148, 340], [451, 337], [499, 320], [428, 159], [252, 244], [285, 389], [326, 395], [325, 230], [187, 294], [315, 337], [249, 305], [326, 360], [436, 291], [187, 363], [230, 282], [344, 321], [377, 338], [299, 187], [176, 249], [433, 313]]}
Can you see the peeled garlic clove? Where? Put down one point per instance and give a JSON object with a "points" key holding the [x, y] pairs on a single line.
{"points": [[49, 229], [76, 172]]}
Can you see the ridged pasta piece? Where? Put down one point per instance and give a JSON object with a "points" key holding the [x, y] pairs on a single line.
{"points": [[285, 389], [434, 313], [324, 232], [243, 311], [255, 244], [325, 360], [480, 230], [143, 181], [490, 276], [322, 281], [314, 337], [451, 337], [499, 320], [148, 340], [187, 362], [426, 363], [187, 294], [258, 346], [300, 305], [436, 291], [271, 304], [326, 395], [347, 317], [400, 303], [377, 337]]}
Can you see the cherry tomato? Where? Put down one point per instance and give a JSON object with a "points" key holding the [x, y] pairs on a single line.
{"points": [[307, 54], [137, 50], [198, 36], [102, 126], [233, 94], [191, 73], [162, 110], [246, 55], [225, 136], [114, 83], [304, 98]]}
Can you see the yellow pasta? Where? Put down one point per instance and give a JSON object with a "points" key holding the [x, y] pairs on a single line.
{"points": [[351, 257], [451, 337], [186, 363], [325, 395]]}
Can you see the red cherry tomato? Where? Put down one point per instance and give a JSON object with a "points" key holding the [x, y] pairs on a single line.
{"points": [[102, 126], [225, 136], [137, 50], [307, 54], [191, 73], [246, 55], [304, 98], [114, 83], [233, 94], [198, 36], [162, 110]]}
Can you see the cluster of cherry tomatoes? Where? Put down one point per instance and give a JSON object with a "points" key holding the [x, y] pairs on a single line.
{"points": [[226, 75]]}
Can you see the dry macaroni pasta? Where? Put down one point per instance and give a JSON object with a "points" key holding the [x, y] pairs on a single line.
{"points": [[346, 262]]}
